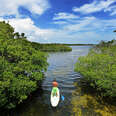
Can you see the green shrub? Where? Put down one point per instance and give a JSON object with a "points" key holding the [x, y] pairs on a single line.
{"points": [[99, 69], [21, 67]]}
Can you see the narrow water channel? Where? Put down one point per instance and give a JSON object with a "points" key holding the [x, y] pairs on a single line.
{"points": [[76, 103]]}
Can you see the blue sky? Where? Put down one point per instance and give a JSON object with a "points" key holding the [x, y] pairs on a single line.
{"points": [[62, 21]]}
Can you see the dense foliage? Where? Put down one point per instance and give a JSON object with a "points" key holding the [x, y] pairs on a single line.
{"points": [[51, 47], [99, 68], [21, 67]]}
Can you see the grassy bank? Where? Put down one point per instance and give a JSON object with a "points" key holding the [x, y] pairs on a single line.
{"points": [[79, 44], [21, 67], [99, 68], [51, 47]]}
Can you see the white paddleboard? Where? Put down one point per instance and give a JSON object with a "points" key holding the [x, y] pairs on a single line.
{"points": [[55, 99]]}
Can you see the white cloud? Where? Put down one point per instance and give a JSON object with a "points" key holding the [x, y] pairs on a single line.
{"points": [[92, 24], [60, 22], [36, 34], [32, 32], [95, 6], [111, 9], [83, 30], [113, 13], [82, 24], [86, 30], [63, 15], [8, 7]]}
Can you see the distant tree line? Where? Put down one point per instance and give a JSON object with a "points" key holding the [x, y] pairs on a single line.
{"points": [[52, 47]]}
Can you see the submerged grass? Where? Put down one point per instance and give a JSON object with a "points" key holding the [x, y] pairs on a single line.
{"points": [[85, 102]]}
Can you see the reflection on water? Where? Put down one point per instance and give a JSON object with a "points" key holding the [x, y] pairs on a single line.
{"points": [[76, 103]]}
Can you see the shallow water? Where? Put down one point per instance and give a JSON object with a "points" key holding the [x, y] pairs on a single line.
{"points": [[77, 102]]}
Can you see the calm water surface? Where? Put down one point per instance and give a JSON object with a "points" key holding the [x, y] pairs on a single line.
{"points": [[77, 102]]}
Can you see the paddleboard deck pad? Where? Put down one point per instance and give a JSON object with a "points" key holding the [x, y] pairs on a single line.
{"points": [[55, 98]]}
